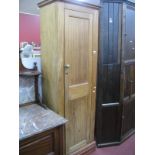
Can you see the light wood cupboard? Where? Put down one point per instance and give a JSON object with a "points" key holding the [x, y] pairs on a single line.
{"points": [[69, 44]]}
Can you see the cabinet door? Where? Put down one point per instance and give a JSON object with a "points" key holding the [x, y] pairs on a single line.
{"points": [[108, 86], [78, 76], [128, 69]]}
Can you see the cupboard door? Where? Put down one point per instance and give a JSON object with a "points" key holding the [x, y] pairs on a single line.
{"points": [[128, 122], [78, 75], [128, 70], [108, 85]]}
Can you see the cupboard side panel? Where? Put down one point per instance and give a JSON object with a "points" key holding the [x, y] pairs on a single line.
{"points": [[128, 70], [52, 57]]}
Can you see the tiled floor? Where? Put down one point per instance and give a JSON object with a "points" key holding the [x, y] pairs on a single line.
{"points": [[126, 148]]}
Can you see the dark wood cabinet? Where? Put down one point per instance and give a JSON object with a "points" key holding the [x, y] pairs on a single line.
{"points": [[116, 72], [45, 143], [128, 70]]}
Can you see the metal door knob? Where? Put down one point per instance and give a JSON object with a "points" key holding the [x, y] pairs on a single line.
{"points": [[67, 66]]}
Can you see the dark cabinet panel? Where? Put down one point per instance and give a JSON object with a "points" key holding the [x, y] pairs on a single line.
{"points": [[129, 33], [108, 87], [128, 117], [39, 147], [109, 53], [111, 83], [133, 1], [129, 79], [108, 127], [49, 142], [109, 33], [128, 71], [116, 72]]}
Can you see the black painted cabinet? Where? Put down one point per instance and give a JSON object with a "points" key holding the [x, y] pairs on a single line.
{"points": [[116, 71], [128, 71]]}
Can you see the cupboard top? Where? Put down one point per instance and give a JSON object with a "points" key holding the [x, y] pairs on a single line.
{"points": [[87, 3]]}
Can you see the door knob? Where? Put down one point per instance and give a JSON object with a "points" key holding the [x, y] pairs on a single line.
{"points": [[67, 66], [94, 52]]}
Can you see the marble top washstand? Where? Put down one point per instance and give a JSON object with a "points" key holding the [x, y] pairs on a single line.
{"points": [[34, 119]]}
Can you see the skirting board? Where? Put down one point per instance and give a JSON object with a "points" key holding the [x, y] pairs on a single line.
{"points": [[117, 143], [86, 150]]}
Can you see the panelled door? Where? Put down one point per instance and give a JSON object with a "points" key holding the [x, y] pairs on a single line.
{"points": [[78, 77], [128, 69], [108, 87]]}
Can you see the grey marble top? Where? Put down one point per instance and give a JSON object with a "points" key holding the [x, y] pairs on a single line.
{"points": [[34, 119]]}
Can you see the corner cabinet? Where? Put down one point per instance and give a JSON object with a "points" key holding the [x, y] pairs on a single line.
{"points": [[69, 44], [116, 71], [128, 70]]}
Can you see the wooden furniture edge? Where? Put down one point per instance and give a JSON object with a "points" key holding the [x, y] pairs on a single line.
{"points": [[85, 4], [38, 135], [117, 142], [86, 150]]}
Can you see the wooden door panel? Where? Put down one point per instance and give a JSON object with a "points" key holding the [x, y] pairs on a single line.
{"points": [[130, 33], [128, 53], [108, 89], [78, 76], [78, 91], [77, 46], [41, 146], [128, 71], [77, 126], [129, 80], [111, 83], [128, 116], [108, 124]]}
